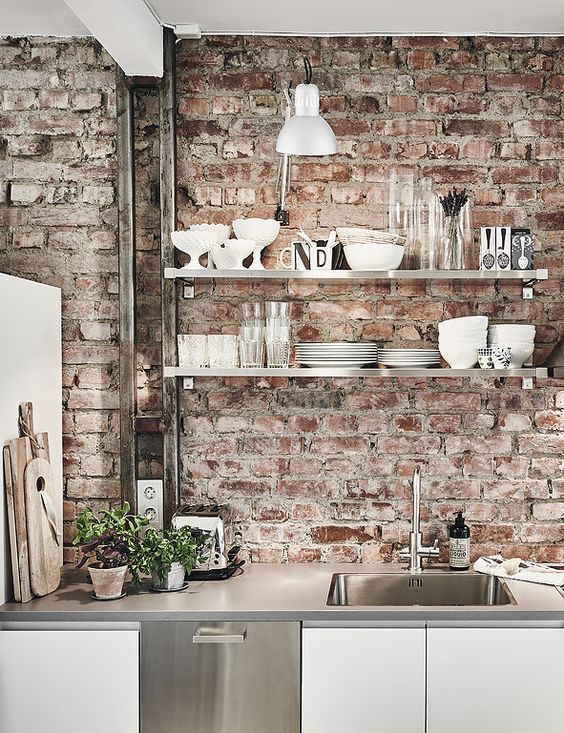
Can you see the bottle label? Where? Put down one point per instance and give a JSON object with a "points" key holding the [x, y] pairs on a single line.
{"points": [[459, 552]]}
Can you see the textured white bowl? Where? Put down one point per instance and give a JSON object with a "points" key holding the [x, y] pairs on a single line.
{"points": [[229, 255], [221, 232], [466, 323], [521, 351], [515, 331], [262, 231], [459, 355], [194, 244], [361, 257]]}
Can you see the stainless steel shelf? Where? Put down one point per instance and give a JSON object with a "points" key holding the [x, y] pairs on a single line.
{"points": [[172, 273], [526, 373]]}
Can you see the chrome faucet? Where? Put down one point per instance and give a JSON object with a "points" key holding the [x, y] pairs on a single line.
{"points": [[416, 550]]}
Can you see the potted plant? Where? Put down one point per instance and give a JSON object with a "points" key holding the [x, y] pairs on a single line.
{"points": [[170, 554], [111, 538]]}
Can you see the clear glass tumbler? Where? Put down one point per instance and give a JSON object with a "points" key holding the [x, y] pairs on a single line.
{"points": [[251, 346]]}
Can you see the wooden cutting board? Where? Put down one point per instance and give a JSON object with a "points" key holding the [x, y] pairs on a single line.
{"points": [[20, 456], [10, 511], [43, 534], [42, 531]]}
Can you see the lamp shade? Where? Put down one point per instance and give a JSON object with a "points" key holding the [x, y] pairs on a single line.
{"points": [[306, 133]]}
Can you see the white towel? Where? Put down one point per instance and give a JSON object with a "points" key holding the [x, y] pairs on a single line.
{"points": [[517, 569]]}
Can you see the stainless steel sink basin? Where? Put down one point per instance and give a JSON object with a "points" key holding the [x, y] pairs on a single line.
{"points": [[428, 589]]}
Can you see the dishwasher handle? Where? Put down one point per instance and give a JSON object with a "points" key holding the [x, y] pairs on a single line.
{"points": [[215, 636]]}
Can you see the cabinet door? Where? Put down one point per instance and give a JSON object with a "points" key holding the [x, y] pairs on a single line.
{"points": [[493, 680], [362, 679], [69, 681]]}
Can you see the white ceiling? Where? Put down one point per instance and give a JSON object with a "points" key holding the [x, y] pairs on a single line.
{"points": [[340, 17], [39, 18], [387, 17]]}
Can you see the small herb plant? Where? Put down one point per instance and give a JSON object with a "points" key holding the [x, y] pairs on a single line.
{"points": [[111, 537], [159, 549]]}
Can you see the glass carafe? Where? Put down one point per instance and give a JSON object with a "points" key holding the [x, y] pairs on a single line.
{"points": [[424, 254]]}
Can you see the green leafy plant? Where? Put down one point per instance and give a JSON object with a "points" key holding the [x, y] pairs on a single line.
{"points": [[111, 537], [159, 549]]}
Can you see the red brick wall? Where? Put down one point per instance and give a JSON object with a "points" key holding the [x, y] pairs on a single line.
{"points": [[58, 225], [315, 469], [320, 469]]}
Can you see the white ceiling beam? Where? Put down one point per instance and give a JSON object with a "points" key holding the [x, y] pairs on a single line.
{"points": [[128, 30]]}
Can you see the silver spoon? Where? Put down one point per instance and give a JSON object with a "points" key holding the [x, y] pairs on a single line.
{"points": [[522, 262]]}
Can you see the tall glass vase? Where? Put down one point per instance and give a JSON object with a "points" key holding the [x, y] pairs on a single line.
{"points": [[456, 239]]}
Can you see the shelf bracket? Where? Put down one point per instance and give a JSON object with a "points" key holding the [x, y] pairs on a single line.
{"points": [[527, 383], [529, 288], [187, 383]]}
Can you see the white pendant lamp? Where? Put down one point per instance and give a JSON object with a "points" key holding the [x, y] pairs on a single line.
{"points": [[306, 132]]}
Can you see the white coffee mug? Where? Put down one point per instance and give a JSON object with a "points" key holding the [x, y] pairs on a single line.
{"points": [[299, 257]]}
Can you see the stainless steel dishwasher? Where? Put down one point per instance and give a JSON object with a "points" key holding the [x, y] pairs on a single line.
{"points": [[220, 677]]}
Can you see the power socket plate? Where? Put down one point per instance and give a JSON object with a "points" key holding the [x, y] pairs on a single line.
{"points": [[150, 501]]}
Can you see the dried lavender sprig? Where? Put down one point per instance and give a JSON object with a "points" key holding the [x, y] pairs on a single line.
{"points": [[453, 202]]}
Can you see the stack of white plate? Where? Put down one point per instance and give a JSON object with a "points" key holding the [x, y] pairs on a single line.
{"points": [[460, 339], [519, 337], [409, 358], [342, 355]]}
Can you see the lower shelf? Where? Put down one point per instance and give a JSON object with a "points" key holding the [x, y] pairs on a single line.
{"points": [[525, 373]]}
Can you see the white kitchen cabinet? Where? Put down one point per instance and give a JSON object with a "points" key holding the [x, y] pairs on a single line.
{"points": [[495, 679], [363, 679], [64, 681]]}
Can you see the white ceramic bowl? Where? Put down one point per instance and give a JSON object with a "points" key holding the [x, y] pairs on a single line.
{"points": [[459, 355], [376, 257], [521, 351], [221, 232], [229, 255], [194, 244], [262, 231], [466, 323], [515, 331]]}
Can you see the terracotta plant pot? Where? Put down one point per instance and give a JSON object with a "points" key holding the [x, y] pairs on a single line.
{"points": [[173, 580], [107, 582]]}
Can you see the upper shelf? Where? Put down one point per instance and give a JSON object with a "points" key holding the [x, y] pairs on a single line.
{"points": [[172, 273]]}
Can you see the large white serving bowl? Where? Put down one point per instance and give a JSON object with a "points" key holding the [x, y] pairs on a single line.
{"points": [[466, 324], [194, 244], [375, 257], [521, 351], [221, 232], [458, 354]]}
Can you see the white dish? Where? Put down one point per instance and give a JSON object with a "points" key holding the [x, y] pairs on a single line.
{"points": [[341, 364], [458, 355], [261, 231], [229, 255], [194, 244], [221, 232], [520, 351], [360, 257], [463, 324]]}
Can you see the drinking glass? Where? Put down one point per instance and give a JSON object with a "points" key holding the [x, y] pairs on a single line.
{"points": [[251, 346], [278, 309], [253, 311], [277, 335], [223, 351], [193, 351]]}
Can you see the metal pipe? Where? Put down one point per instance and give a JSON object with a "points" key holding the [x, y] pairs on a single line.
{"points": [[169, 315], [126, 268]]}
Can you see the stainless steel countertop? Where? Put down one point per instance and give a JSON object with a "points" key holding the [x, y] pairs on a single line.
{"points": [[271, 592]]}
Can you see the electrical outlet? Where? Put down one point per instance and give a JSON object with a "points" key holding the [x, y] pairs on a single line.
{"points": [[150, 501]]}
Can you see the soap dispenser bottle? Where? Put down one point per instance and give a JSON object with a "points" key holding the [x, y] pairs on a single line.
{"points": [[459, 544]]}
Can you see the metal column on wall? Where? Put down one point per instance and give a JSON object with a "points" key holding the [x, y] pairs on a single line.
{"points": [[170, 420], [126, 236]]}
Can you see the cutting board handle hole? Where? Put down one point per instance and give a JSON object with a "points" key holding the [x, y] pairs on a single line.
{"points": [[40, 484]]}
